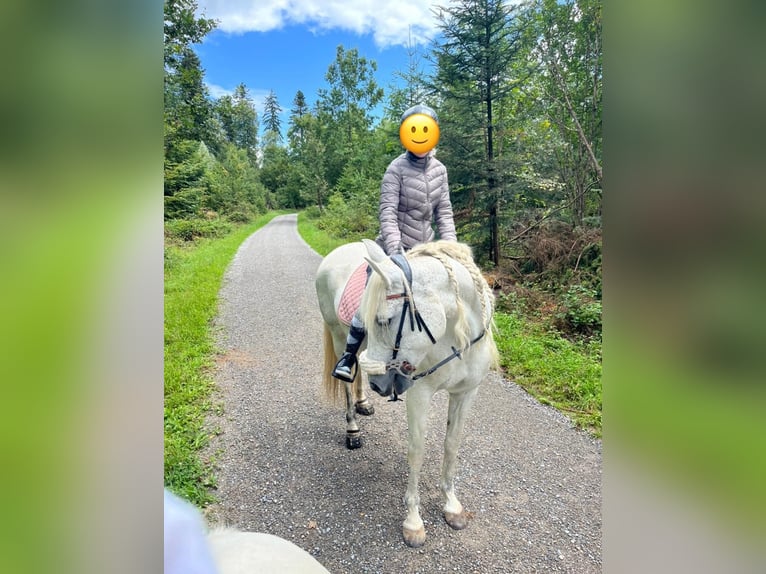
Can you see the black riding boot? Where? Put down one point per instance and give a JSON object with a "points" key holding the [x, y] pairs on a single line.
{"points": [[347, 362]]}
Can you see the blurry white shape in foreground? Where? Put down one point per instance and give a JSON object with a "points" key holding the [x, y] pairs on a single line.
{"points": [[189, 549]]}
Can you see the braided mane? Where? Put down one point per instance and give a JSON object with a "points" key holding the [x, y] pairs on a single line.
{"points": [[460, 252]]}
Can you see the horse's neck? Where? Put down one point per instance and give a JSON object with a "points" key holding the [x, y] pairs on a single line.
{"points": [[437, 279]]}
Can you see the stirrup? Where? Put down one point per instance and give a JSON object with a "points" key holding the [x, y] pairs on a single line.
{"points": [[343, 372]]}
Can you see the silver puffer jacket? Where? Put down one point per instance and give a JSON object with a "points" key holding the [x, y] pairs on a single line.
{"points": [[414, 194]]}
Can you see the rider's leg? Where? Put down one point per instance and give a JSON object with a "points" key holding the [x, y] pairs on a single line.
{"points": [[343, 369]]}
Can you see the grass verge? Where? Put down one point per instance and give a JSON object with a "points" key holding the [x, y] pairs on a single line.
{"points": [[193, 274], [319, 240], [554, 370]]}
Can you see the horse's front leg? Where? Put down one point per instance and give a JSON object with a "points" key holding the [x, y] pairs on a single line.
{"points": [[353, 434], [459, 406], [413, 530], [362, 403]]}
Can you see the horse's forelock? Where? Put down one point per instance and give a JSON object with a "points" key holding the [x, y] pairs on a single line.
{"points": [[374, 293]]}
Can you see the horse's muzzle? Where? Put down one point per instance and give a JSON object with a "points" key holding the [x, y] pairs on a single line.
{"points": [[393, 380]]}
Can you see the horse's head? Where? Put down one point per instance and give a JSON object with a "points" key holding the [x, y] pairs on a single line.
{"points": [[403, 321]]}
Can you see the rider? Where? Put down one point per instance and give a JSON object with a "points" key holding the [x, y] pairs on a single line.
{"points": [[414, 195]]}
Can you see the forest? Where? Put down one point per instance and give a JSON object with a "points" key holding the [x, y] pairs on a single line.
{"points": [[518, 90]]}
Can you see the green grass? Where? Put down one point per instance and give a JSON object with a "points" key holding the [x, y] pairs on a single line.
{"points": [[554, 370], [319, 240], [193, 275]]}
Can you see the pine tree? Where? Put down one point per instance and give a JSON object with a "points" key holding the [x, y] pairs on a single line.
{"points": [[480, 41], [295, 133], [244, 122], [271, 121]]}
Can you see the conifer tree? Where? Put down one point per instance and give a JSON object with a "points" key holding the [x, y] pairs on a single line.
{"points": [[271, 121]]}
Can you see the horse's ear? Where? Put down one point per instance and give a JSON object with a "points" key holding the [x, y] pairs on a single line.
{"points": [[374, 251], [379, 270]]}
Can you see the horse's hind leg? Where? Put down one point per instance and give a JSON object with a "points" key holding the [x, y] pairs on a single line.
{"points": [[459, 405], [353, 434]]}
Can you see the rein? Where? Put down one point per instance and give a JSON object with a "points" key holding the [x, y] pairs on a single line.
{"points": [[455, 353]]}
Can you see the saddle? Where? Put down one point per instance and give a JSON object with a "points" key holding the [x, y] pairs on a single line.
{"points": [[352, 295]]}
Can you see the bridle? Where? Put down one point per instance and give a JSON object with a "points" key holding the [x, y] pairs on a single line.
{"points": [[408, 307]]}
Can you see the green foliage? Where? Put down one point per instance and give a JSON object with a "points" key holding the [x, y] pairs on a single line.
{"points": [[582, 311], [182, 28], [349, 220], [345, 109], [191, 229], [321, 241], [234, 186]]}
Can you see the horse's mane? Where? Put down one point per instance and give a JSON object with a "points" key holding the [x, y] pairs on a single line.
{"points": [[445, 252], [460, 252]]}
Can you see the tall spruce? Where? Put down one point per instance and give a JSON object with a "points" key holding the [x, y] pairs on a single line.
{"points": [[271, 120], [244, 122], [295, 133], [480, 40]]}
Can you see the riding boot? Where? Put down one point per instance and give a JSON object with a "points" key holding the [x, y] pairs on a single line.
{"points": [[347, 362]]}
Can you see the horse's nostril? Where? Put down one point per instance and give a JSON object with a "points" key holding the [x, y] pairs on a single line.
{"points": [[407, 368]]}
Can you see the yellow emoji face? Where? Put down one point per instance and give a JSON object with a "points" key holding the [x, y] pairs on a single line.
{"points": [[419, 133]]}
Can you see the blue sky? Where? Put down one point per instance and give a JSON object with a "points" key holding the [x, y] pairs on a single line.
{"points": [[287, 45]]}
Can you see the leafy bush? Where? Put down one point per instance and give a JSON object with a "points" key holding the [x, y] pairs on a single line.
{"points": [[190, 229], [243, 215], [350, 220], [581, 311], [312, 212]]}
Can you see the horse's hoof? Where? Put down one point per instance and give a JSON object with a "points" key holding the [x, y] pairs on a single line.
{"points": [[456, 521], [365, 408], [414, 538], [353, 441]]}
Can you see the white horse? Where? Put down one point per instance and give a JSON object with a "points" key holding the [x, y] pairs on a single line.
{"points": [[429, 321]]}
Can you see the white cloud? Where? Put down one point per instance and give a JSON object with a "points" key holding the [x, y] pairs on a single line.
{"points": [[217, 91], [257, 96], [389, 21]]}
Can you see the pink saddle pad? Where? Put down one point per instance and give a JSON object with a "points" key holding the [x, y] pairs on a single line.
{"points": [[352, 294]]}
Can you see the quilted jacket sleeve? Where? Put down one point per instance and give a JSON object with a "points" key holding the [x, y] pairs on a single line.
{"points": [[443, 216], [389, 210]]}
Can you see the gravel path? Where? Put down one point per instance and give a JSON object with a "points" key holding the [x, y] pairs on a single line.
{"points": [[531, 481]]}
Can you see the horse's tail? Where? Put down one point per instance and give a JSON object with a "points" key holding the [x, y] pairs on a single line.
{"points": [[332, 389], [335, 390]]}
